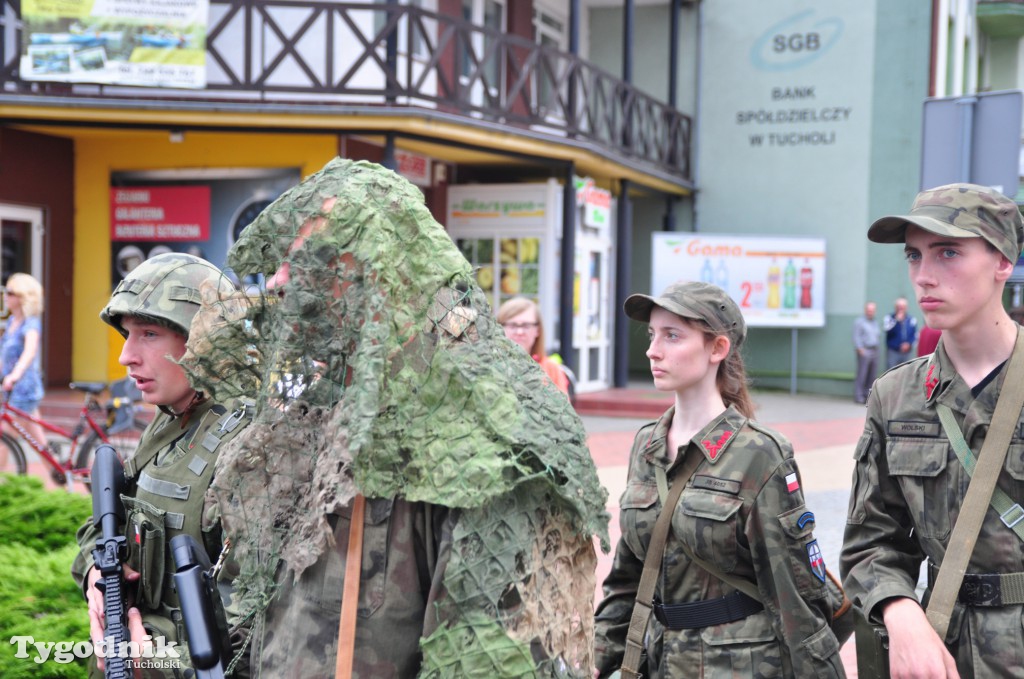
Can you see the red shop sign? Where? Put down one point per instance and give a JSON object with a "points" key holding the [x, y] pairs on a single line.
{"points": [[160, 213]]}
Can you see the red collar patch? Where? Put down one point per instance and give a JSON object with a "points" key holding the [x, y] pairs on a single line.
{"points": [[930, 382], [713, 448]]}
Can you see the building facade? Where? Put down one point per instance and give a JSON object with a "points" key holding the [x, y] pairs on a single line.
{"points": [[156, 127]]}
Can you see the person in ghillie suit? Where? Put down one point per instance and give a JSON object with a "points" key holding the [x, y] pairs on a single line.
{"points": [[379, 371]]}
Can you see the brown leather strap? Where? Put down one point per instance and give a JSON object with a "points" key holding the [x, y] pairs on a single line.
{"points": [[979, 492], [652, 567], [350, 593]]}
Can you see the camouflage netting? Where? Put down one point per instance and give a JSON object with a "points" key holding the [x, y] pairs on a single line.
{"points": [[381, 370]]}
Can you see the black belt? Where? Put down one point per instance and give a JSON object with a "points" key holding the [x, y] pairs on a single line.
{"points": [[986, 589], [697, 614]]}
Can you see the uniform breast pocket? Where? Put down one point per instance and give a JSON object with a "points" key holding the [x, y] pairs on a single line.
{"points": [[920, 467], [707, 522], [1015, 467], [637, 516], [324, 581]]}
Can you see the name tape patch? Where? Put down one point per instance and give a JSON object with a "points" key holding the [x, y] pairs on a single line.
{"points": [[713, 483], [905, 428]]}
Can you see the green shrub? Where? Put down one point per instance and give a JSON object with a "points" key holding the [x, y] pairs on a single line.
{"points": [[37, 519], [38, 597]]}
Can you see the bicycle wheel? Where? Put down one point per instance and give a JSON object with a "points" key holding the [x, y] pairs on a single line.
{"points": [[14, 456], [125, 442]]}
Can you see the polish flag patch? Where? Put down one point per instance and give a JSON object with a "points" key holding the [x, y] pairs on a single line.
{"points": [[792, 483]]}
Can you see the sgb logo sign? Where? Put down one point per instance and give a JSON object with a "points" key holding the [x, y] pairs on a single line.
{"points": [[795, 41]]}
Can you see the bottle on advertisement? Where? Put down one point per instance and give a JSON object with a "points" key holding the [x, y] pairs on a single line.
{"points": [[806, 280]]}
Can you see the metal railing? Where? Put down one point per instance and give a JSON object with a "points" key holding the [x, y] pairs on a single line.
{"points": [[356, 54]]}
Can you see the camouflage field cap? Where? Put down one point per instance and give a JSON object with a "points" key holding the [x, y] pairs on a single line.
{"points": [[694, 300], [165, 287], [959, 211]]}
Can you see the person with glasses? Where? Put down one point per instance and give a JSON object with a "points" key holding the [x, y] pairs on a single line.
{"points": [[520, 317], [22, 380]]}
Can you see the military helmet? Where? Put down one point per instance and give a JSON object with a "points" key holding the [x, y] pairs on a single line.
{"points": [[165, 288]]}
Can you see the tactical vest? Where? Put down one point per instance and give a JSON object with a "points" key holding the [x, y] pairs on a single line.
{"points": [[170, 476]]}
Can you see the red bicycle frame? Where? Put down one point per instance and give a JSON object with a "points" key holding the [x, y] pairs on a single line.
{"points": [[40, 447]]}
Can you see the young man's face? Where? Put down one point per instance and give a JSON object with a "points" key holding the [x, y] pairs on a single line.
{"points": [[145, 354], [955, 279]]}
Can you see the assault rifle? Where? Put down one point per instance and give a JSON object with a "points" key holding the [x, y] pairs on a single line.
{"points": [[111, 549], [205, 625]]}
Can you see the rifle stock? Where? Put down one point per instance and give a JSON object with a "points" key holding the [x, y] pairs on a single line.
{"points": [[111, 549]]}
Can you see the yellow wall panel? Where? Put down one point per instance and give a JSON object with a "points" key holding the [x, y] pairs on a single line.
{"points": [[95, 346]]}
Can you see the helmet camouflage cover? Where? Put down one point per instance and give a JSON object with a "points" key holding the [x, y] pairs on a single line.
{"points": [[166, 288], [381, 370]]}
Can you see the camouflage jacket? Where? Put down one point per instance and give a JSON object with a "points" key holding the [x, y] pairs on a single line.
{"points": [[743, 511], [908, 486], [406, 546], [167, 495]]}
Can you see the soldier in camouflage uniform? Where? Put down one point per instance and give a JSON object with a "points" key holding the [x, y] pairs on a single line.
{"points": [[742, 511], [171, 470], [961, 243], [379, 370]]}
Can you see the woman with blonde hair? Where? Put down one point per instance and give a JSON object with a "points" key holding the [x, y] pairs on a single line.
{"points": [[522, 322], [19, 350]]}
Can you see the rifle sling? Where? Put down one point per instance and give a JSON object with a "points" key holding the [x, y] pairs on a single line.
{"points": [[652, 567], [979, 491], [350, 593]]}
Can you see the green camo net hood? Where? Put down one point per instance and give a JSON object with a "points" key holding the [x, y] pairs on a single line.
{"points": [[380, 370]]}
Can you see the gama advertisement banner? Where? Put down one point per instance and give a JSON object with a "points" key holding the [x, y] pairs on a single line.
{"points": [[778, 282], [154, 43]]}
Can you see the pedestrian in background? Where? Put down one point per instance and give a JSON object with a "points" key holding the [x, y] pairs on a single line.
{"points": [[20, 348], [523, 324], [865, 342], [741, 516], [900, 333], [961, 242], [1017, 314]]}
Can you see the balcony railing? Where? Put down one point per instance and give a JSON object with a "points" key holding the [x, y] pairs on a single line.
{"points": [[378, 55]]}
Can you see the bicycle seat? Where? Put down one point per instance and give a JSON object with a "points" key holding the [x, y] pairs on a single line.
{"points": [[90, 387], [125, 388]]}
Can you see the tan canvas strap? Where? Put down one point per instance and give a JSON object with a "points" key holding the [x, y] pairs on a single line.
{"points": [[350, 593], [979, 492], [652, 568], [1010, 513]]}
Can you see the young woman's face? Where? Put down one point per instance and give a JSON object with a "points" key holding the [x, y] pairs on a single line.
{"points": [[954, 278], [680, 355], [12, 301], [523, 329]]}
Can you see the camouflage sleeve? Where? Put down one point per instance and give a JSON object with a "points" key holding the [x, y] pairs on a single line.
{"points": [[238, 626], [616, 609], [86, 539], [880, 558], [790, 574]]}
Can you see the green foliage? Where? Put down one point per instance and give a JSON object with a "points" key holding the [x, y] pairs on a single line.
{"points": [[38, 597], [36, 519]]}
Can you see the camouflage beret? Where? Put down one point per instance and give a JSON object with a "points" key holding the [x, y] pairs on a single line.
{"points": [[959, 211], [165, 288], [693, 300]]}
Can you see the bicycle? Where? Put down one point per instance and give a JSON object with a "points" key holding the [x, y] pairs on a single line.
{"points": [[118, 422]]}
